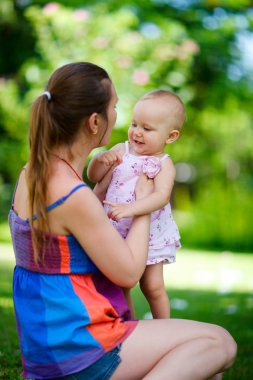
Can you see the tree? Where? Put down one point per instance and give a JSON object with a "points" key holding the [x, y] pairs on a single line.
{"points": [[197, 49]]}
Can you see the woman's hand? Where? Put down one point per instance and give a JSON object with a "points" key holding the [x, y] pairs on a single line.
{"points": [[144, 187]]}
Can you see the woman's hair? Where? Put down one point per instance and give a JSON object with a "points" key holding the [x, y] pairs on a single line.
{"points": [[73, 93]]}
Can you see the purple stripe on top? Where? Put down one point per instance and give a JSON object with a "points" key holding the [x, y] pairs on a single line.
{"points": [[59, 248], [23, 249], [114, 294]]}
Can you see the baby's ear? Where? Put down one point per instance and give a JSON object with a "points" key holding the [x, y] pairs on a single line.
{"points": [[173, 136]]}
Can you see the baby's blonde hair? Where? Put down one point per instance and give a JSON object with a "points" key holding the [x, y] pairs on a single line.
{"points": [[178, 108]]}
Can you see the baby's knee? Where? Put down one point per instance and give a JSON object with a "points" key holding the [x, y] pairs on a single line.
{"points": [[153, 289]]}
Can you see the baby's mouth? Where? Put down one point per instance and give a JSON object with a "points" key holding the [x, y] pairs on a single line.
{"points": [[138, 142]]}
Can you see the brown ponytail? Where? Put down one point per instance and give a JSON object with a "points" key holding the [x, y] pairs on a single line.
{"points": [[75, 91]]}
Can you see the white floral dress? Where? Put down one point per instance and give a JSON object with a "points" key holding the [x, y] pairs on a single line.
{"points": [[164, 237]]}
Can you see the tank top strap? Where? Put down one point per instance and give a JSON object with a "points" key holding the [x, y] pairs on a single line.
{"points": [[65, 197], [126, 147], [62, 199], [164, 157]]}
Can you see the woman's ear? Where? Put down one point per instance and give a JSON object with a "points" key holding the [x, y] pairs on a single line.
{"points": [[173, 136], [93, 123]]}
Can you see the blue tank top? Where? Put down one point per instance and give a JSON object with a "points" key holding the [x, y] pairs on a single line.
{"points": [[68, 313]]}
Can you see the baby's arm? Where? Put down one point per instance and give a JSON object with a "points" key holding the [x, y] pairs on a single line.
{"points": [[100, 165], [163, 185]]}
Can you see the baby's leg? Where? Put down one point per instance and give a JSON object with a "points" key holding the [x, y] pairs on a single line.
{"points": [[129, 300], [152, 286]]}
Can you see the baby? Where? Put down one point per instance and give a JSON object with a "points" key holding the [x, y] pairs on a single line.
{"points": [[157, 121]]}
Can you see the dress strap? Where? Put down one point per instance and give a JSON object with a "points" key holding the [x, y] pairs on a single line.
{"points": [[164, 157], [126, 147]]}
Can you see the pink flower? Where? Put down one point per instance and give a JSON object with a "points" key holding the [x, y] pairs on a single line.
{"points": [[124, 61], [190, 46], [51, 8], [151, 166], [81, 15], [101, 42], [141, 77]]}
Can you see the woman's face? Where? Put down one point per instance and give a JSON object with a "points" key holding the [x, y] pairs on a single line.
{"points": [[111, 118]]}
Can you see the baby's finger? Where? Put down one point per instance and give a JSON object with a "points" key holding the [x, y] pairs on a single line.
{"points": [[114, 217], [111, 215], [109, 203], [118, 157], [109, 161]]}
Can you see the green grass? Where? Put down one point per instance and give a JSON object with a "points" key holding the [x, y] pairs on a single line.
{"points": [[205, 286], [233, 311]]}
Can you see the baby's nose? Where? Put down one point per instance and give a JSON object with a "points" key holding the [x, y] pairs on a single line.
{"points": [[138, 131]]}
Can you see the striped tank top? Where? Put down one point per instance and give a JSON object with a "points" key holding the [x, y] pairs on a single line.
{"points": [[68, 313]]}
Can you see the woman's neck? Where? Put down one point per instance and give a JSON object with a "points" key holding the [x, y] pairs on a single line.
{"points": [[75, 156]]}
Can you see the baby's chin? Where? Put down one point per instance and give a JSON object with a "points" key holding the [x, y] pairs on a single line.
{"points": [[139, 148]]}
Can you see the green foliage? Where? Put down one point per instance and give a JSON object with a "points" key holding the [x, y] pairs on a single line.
{"points": [[198, 50], [16, 38], [217, 218]]}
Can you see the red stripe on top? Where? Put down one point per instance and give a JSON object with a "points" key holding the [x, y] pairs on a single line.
{"points": [[65, 254]]}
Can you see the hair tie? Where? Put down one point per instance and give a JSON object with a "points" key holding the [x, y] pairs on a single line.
{"points": [[48, 95]]}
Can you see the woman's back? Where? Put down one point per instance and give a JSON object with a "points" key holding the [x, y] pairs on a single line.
{"points": [[75, 313]]}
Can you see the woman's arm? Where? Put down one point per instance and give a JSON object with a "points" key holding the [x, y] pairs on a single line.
{"points": [[163, 185], [122, 261]]}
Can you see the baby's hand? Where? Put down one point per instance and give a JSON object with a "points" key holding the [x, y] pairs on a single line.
{"points": [[110, 158], [119, 210]]}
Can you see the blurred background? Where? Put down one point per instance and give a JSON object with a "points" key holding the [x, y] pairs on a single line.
{"points": [[203, 51]]}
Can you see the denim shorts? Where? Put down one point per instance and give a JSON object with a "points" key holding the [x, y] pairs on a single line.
{"points": [[102, 369]]}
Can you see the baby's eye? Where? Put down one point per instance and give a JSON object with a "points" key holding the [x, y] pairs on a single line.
{"points": [[133, 125], [147, 129]]}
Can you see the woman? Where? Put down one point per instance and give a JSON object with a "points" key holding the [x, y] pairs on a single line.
{"points": [[72, 317]]}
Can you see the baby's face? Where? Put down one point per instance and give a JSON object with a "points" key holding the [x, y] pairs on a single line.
{"points": [[150, 128]]}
